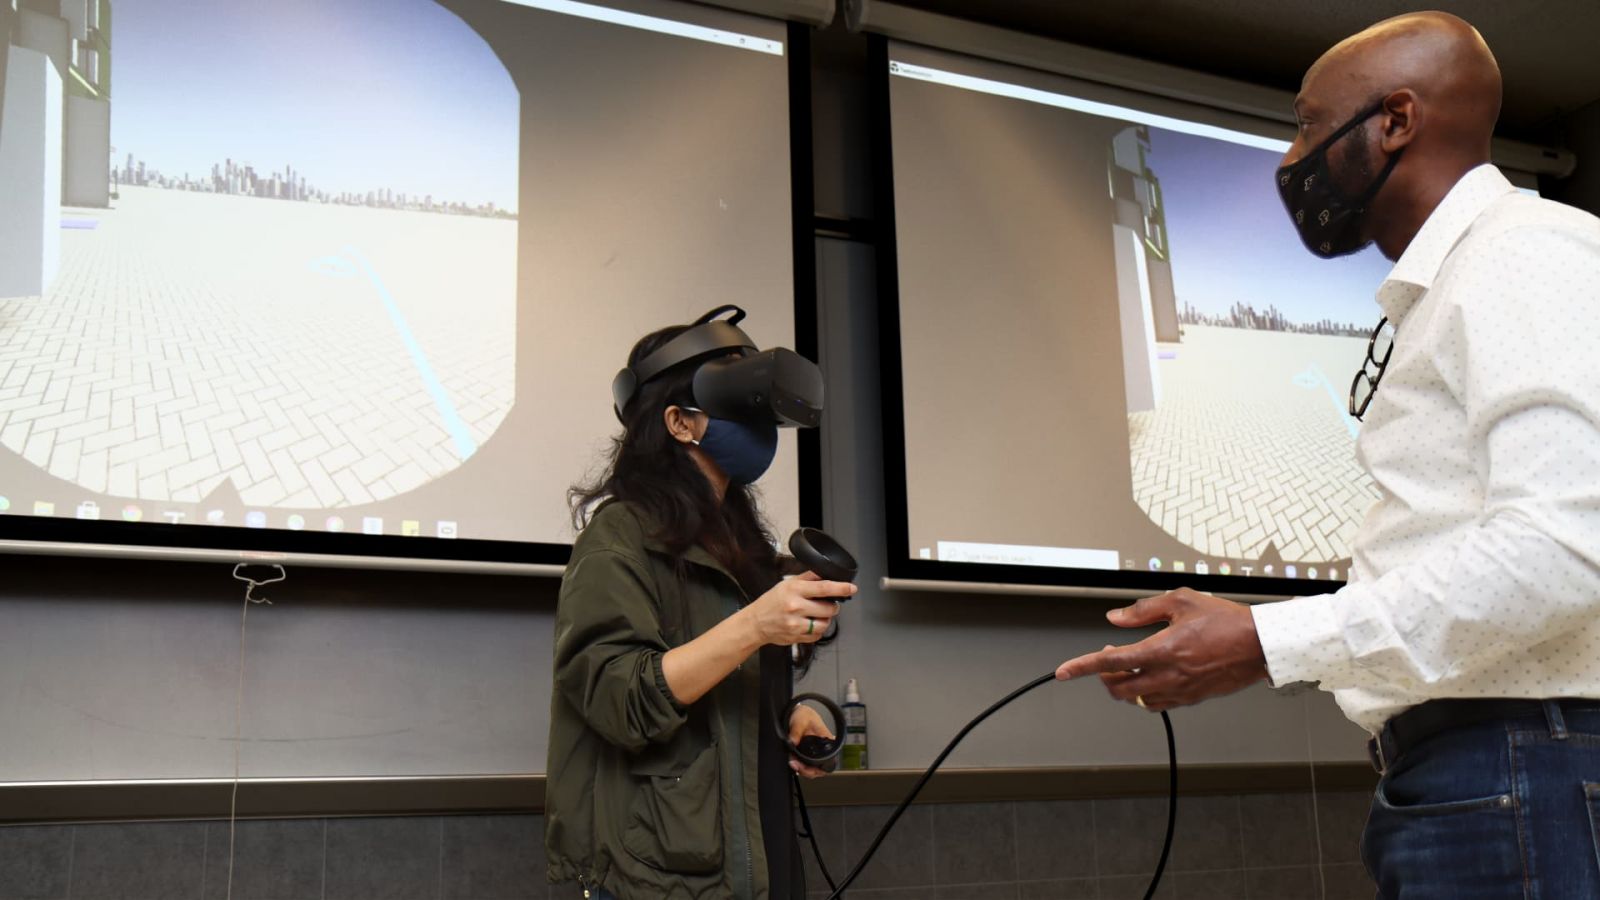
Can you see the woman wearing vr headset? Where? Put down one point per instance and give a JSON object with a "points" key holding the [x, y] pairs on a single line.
{"points": [[674, 635]]}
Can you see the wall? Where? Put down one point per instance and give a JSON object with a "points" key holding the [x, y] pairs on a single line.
{"points": [[88, 151], [30, 174], [114, 670], [120, 670], [1264, 847]]}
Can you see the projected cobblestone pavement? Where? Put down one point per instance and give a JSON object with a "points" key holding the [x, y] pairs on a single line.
{"points": [[313, 356], [1250, 445]]}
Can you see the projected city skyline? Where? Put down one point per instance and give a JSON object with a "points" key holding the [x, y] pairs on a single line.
{"points": [[242, 180], [1245, 315]]}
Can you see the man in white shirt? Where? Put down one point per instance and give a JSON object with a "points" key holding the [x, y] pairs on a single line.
{"points": [[1468, 638]]}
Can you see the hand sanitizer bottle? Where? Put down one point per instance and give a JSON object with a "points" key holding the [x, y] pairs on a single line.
{"points": [[854, 755]]}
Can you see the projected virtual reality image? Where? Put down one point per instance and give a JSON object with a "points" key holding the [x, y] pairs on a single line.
{"points": [[1159, 378], [273, 266], [1240, 439]]}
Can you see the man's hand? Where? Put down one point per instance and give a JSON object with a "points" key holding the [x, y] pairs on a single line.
{"points": [[1209, 648]]}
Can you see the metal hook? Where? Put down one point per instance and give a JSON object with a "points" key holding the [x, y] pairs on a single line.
{"points": [[249, 592]]}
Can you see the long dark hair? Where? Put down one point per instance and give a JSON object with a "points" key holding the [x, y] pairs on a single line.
{"points": [[652, 471]]}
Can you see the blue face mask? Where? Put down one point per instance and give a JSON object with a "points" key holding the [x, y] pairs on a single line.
{"points": [[742, 451]]}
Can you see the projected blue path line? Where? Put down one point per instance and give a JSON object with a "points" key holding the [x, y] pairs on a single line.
{"points": [[460, 435], [1312, 378]]}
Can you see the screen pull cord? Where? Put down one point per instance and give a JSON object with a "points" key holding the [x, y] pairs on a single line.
{"points": [[1316, 811], [1172, 795], [250, 599]]}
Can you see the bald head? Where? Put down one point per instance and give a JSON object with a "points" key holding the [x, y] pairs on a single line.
{"points": [[1434, 55], [1421, 93]]}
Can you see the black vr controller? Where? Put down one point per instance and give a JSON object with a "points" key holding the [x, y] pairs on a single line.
{"points": [[824, 556]]}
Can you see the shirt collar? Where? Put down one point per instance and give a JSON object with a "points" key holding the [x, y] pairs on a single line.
{"points": [[1414, 272]]}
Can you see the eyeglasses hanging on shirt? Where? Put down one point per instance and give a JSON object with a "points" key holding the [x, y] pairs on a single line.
{"points": [[1365, 384]]}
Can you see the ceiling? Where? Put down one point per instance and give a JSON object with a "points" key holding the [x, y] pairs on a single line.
{"points": [[1549, 50]]}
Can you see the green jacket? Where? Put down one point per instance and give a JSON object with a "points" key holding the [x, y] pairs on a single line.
{"points": [[645, 797]]}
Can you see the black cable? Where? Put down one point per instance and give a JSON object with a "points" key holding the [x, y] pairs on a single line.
{"points": [[1172, 806], [1172, 792], [811, 832]]}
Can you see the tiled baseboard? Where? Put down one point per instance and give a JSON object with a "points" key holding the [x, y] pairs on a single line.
{"points": [[1234, 847], [1231, 847]]}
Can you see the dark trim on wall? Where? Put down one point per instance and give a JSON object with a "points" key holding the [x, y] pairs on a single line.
{"points": [[282, 798], [1084, 783], [862, 230], [266, 798], [802, 189], [887, 265]]}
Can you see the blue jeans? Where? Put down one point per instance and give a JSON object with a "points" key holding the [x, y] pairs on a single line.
{"points": [[1507, 809]]}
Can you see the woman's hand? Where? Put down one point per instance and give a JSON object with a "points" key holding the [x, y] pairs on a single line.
{"points": [[802, 722], [797, 610]]}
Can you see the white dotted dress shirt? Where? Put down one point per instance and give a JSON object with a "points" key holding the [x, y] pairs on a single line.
{"points": [[1477, 574]]}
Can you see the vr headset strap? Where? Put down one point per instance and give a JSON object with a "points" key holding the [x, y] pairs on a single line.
{"points": [[707, 335]]}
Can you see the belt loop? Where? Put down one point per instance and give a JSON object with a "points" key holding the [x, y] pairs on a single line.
{"points": [[1558, 722]]}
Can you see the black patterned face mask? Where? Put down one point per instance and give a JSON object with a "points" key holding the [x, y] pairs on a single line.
{"points": [[1328, 219]]}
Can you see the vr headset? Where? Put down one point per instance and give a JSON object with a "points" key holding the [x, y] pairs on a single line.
{"points": [[736, 380]]}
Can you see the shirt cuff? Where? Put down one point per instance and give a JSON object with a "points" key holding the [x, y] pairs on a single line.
{"points": [[661, 683], [1302, 639]]}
